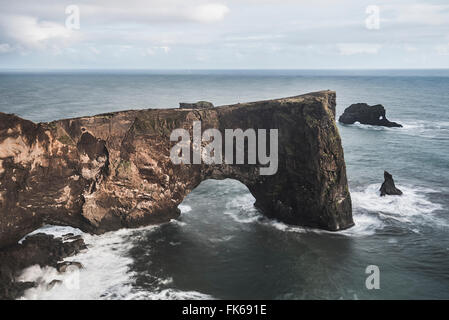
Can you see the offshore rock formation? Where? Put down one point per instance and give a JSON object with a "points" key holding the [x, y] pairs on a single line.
{"points": [[113, 170], [365, 114], [388, 187]]}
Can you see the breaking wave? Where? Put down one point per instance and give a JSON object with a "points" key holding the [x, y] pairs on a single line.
{"points": [[421, 128], [370, 211], [170, 294], [411, 210], [411, 205], [105, 274]]}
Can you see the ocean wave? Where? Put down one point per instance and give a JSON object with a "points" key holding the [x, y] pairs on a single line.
{"points": [[413, 207], [169, 294], [281, 226], [177, 222], [427, 129], [368, 126], [242, 218], [370, 213], [241, 209], [105, 273], [221, 239], [421, 128], [365, 225], [184, 208], [412, 203]]}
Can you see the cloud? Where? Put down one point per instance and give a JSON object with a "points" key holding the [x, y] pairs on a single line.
{"points": [[5, 48], [154, 50], [95, 50], [417, 14], [30, 33], [442, 50], [222, 33], [347, 49], [119, 11], [211, 12]]}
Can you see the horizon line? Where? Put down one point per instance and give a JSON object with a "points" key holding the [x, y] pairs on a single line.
{"points": [[217, 69]]}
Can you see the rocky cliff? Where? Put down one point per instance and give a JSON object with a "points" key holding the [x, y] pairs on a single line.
{"points": [[113, 170]]}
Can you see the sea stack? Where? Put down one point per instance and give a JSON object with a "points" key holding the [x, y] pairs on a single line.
{"points": [[365, 114], [388, 187]]}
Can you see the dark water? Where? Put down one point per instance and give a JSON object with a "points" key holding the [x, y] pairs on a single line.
{"points": [[221, 247]]}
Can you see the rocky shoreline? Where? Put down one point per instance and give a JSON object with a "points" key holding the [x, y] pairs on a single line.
{"points": [[37, 249], [113, 171]]}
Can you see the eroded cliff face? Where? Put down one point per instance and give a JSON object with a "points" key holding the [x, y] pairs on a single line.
{"points": [[111, 171]]}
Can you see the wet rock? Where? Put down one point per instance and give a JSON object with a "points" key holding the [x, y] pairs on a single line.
{"points": [[71, 237], [53, 283], [38, 249], [388, 187], [365, 114], [68, 265]]}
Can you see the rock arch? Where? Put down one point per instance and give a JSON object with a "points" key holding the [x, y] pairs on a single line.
{"points": [[113, 170]]}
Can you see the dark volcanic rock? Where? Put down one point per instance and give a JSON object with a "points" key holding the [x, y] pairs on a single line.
{"points": [[365, 114], [66, 265], [110, 171], [388, 187], [196, 105], [39, 249], [53, 283]]}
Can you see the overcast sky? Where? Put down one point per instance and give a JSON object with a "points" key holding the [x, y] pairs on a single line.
{"points": [[224, 34]]}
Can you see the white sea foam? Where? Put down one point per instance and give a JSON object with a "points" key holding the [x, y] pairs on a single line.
{"points": [[241, 209], [366, 224], [285, 227], [105, 273], [177, 222], [422, 128], [169, 294], [413, 205], [370, 211], [185, 208], [242, 218], [428, 129], [221, 239], [366, 126]]}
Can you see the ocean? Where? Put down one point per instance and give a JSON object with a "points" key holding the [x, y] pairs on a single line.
{"points": [[221, 247]]}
